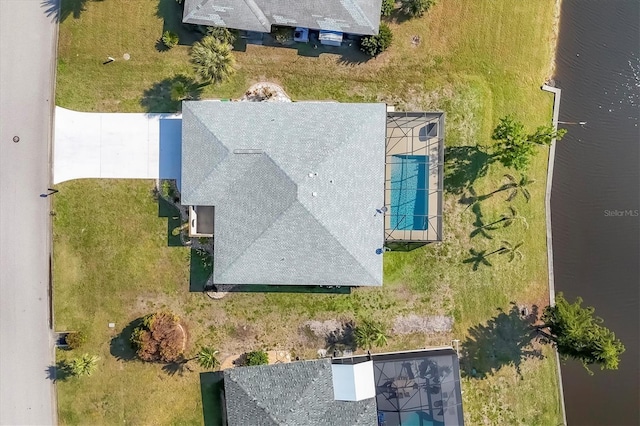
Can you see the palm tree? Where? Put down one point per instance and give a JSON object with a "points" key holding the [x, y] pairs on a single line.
{"points": [[207, 358], [83, 366], [212, 60], [180, 91], [511, 249], [370, 333]]}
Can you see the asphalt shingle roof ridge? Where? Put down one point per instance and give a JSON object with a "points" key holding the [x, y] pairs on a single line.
{"points": [[253, 400], [328, 228], [275, 219], [259, 14], [340, 243], [213, 135]]}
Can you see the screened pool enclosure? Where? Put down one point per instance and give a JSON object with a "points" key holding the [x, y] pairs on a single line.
{"points": [[413, 176]]}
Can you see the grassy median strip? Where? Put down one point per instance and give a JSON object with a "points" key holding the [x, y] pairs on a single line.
{"points": [[113, 257]]}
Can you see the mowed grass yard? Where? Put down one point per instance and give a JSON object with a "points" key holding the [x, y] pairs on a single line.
{"points": [[477, 61]]}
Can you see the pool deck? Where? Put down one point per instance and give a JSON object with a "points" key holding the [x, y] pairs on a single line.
{"points": [[407, 135]]}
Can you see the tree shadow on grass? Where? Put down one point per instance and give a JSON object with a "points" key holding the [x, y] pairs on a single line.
{"points": [[212, 391], [120, 346], [158, 99], [60, 10], [178, 367], [342, 339], [59, 372], [463, 166], [481, 227], [505, 339], [478, 258]]}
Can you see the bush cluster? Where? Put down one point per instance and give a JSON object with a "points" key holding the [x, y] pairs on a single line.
{"points": [[376, 44], [159, 337], [387, 7], [257, 358], [75, 339]]}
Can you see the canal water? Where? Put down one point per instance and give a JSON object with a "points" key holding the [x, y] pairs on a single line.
{"points": [[596, 196]]}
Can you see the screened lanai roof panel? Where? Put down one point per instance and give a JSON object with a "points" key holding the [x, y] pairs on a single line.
{"points": [[414, 176]]}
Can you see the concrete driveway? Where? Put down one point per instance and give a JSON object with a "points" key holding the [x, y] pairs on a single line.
{"points": [[116, 145]]}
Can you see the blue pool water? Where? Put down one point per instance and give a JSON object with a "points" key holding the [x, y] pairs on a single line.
{"points": [[409, 192]]}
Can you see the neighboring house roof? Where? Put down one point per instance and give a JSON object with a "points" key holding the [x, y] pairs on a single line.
{"points": [[295, 188], [298, 393], [349, 16], [416, 387]]}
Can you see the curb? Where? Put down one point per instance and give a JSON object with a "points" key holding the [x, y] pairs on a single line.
{"points": [[547, 206]]}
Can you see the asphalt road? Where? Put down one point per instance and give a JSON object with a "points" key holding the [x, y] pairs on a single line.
{"points": [[27, 57]]}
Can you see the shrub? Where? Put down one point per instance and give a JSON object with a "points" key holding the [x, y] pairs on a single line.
{"points": [[159, 337], [75, 340], [416, 8], [257, 358], [170, 39], [376, 44], [283, 34], [166, 189], [223, 35], [207, 358], [369, 333], [387, 7]]}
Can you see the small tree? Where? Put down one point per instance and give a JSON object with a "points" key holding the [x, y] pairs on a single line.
{"points": [[514, 147], [160, 337], [84, 365], [212, 60], [416, 8], [207, 358], [577, 334], [257, 358], [75, 339], [374, 45], [387, 7], [369, 333], [170, 39]]}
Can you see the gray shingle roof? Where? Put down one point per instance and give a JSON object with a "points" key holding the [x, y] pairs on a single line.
{"points": [[350, 16], [260, 165], [298, 393]]}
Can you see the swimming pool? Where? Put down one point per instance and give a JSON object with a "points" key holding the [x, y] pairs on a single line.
{"points": [[409, 192]]}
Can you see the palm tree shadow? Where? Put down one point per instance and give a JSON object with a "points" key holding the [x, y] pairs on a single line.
{"points": [[478, 258], [506, 339], [59, 372], [157, 98], [481, 227], [178, 367], [463, 166], [60, 10]]}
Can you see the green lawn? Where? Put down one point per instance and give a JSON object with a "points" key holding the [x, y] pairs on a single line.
{"points": [[114, 259]]}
